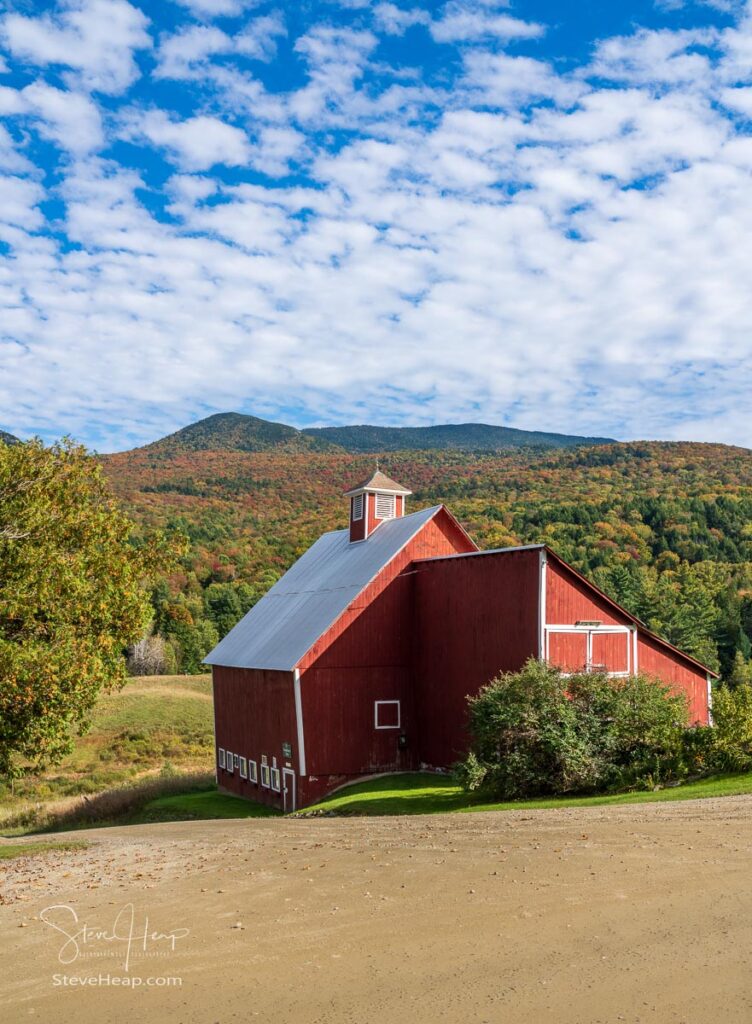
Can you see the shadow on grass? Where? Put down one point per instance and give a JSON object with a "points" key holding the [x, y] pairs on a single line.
{"points": [[201, 806]]}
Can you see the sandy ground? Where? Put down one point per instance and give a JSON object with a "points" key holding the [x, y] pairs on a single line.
{"points": [[575, 917]]}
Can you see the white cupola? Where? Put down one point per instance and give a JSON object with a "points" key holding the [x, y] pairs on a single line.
{"points": [[373, 501]]}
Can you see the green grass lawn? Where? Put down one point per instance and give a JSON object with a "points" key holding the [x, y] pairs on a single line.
{"points": [[426, 793], [8, 851], [206, 804]]}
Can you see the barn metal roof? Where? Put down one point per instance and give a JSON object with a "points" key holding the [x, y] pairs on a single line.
{"points": [[283, 626]]}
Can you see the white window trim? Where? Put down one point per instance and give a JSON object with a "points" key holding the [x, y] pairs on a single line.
{"points": [[377, 704], [358, 501], [221, 757], [228, 762], [243, 768], [383, 496], [265, 775], [276, 780], [252, 771]]}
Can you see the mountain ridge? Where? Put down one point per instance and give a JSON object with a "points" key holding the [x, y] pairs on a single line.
{"points": [[233, 431]]}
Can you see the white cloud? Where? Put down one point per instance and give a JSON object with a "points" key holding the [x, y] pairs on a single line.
{"points": [[11, 160], [183, 54], [196, 144], [187, 54], [464, 21], [396, 20], [259, 39], [209, 9], [738, 99], [70, 119], [656, 57], [94, 38]]}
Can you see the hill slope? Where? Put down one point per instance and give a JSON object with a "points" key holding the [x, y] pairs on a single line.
{"points": [[462, 436], [6, 438], [232, 431]]}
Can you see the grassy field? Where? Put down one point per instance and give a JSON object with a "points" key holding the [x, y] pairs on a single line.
{"points": [[152, 722], [155, 724]]}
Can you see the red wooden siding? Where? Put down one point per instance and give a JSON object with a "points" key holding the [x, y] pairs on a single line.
{"points": [[569, 599], [568, 651], [478, 616], [365, 657], [656, 660], [440, 536], [358, 526], [611, 651], [254, 714]]}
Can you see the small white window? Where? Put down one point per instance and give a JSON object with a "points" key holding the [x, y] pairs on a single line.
{"points": [[252, 773], [265, 775], [276, 786], [243, 768], [221, 758], [236, 761], [386, 714], [357, 507], [228, 762], [385, 506]]}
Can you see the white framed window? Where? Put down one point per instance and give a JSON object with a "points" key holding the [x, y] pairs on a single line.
{"points": [[590, 647], [236, 761], [357, 507], [243, 768], [221, 757], [276, 783], [228, 761], [264, 774], [386, 506], [386, 714], [252, 771]]}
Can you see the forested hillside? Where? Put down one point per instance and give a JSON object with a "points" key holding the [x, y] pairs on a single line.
{"points": [[665, 528], [233, 431]]}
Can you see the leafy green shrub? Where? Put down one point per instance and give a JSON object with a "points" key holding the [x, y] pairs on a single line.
{"points": [[732, 731], [537, 731]]}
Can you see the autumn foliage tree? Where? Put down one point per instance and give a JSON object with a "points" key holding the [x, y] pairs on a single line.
{"points": [[73, 595]]}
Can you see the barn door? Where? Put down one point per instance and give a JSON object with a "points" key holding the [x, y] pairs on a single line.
{"points": [[288, 790], [567, 650]]}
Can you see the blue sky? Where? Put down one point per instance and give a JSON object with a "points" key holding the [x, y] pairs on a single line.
{"points": [[529, 213]]}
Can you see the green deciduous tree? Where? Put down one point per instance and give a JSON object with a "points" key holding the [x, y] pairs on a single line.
{"points": [[72, 597]]}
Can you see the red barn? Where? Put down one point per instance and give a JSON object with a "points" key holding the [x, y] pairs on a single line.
{"points": [[359, 660]]}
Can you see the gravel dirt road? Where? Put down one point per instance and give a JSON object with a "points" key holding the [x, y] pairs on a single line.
{"points": [[589, 916]]}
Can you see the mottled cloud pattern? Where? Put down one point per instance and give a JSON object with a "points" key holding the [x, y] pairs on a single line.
{"points": [[374, 212]]}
